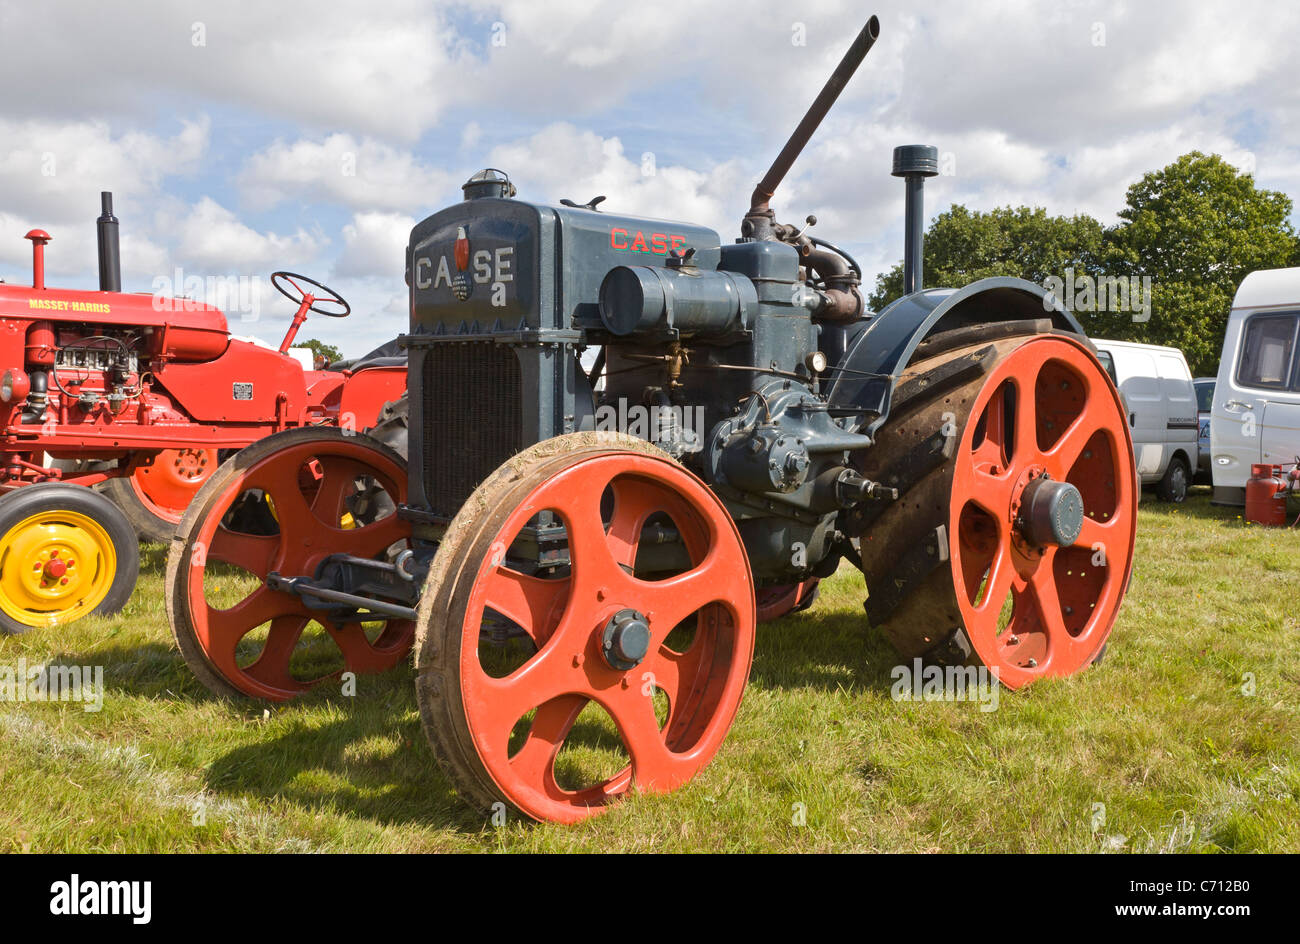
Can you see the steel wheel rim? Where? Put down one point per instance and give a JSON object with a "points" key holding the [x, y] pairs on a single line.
{"points": [[56, 566], [304, 539], [704, 685], [167, 487], [990, 557]]}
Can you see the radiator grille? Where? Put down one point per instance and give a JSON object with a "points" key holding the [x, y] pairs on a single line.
{"points": [[472, 418]]}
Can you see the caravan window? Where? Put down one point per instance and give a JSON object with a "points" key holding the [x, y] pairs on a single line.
{"points": [[1268, 351]]}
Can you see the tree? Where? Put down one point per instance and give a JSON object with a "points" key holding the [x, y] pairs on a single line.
{"points": [[324, 353], [1196, 228], [963, 245]]}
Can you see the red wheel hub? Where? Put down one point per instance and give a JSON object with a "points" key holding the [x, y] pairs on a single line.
{"points": [[305, 488], [1044, 512], [602, 634], [175, 477]]}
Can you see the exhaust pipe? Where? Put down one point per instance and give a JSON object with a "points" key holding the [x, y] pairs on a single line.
{"points": [[757, 223], [914, 163], [110, 254]]}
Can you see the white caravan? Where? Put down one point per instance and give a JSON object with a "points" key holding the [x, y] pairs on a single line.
{"points": [[1157, 387], [1256, 412]]}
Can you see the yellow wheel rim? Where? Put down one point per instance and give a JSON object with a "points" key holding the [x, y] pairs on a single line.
{"points": [[55, 567]]}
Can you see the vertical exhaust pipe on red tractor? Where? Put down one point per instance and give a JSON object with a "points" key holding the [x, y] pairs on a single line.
{"points": [[110, 254]]}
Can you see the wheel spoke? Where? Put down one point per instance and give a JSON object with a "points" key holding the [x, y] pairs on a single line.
{"points": [[225, 628], [272, 664], [632, 506], [1001, 578], [534, 762], [254, 553], [292, 512], [669, 602], [1026, 422], [531, 602], [655, 768], [1060, 459], [547, 675], [992, 492]]}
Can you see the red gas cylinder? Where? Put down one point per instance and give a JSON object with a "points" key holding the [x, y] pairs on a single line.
{"points": [[1266, 495]]}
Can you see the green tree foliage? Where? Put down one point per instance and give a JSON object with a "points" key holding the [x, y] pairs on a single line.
{"points": [[963, 245], [326, 353], [1197, 227]]}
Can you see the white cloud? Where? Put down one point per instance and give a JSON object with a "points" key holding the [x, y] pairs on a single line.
{"points": [[211, 239], [374, 246], [389, 69], [342, 169], [562, 161]]}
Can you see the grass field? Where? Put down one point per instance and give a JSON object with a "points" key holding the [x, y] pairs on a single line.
{"points": [[1163, 747]]}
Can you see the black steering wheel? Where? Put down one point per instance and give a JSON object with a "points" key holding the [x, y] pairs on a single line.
{"points": [[336, 307]]}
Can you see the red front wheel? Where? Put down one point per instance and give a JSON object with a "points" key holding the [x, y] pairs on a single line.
{"points": [[282, 506], [561, 664]]}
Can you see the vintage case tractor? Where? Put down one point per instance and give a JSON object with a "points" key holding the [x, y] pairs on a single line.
{"points": [[139, 396], [965, 448]]}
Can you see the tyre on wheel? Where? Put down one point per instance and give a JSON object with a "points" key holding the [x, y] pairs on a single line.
{"points": [[65, 552], [1011, 543], [559, 666], [154, 497], [1173, 487], [283, 506]]}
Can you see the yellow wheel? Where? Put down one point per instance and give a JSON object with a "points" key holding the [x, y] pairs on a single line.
{"points": [[65, 552]]}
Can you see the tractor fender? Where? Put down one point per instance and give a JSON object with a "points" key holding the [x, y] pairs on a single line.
{"points": [[878, 351]]}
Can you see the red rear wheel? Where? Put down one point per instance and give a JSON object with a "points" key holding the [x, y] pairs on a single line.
{"points": [[155, 496], [613, 650], [1046, 419], [1012, 542], [168, 485], [283, 505]]}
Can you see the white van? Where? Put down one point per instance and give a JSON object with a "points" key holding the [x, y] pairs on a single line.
{"points": [[1157, 387], [1256, 412]]}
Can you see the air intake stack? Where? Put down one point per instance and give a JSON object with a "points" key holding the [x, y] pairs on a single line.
{"points": [[914, 163]]}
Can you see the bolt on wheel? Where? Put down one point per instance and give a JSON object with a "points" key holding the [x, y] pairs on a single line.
{"points": [[628, 665], [281, 507]]}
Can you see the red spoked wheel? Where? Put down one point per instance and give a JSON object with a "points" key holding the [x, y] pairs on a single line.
{"points": [[775, 602], [1029, 525], [628, 665], [282, 506]]}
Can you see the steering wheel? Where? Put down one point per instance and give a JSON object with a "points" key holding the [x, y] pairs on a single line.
{"points": [[336, 307]]}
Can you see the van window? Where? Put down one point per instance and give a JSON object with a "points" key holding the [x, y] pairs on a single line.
{"points": [[1205, 396], [1108, 364], [1267, 352]]}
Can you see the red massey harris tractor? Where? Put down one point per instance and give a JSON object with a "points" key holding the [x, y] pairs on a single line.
{"points": [[565, 581], [140, 397]]}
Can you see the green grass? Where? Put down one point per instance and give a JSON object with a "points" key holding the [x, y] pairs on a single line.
{"points": [[1160, 735]]}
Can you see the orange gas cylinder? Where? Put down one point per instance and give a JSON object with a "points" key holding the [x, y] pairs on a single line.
{"points": [[1266, 495]]}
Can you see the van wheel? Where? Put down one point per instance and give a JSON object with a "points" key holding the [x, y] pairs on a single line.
{"points": [[1173, 487]]}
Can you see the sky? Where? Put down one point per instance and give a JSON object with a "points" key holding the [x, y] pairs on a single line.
{"points": [[241, 137]]}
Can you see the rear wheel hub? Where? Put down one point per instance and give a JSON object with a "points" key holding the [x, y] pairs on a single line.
{"points": [[1051, 513]]}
